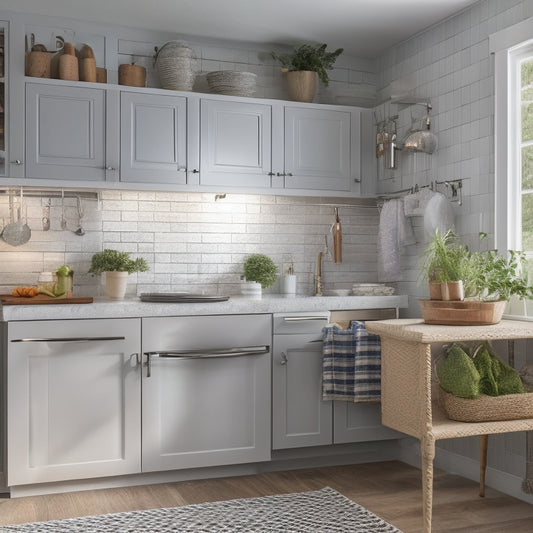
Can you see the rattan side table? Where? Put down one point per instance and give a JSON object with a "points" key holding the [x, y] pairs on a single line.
{"points": [[407, 404]]}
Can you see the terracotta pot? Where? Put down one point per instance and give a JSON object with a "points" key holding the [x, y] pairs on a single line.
{"points": [[302, 85], [435, 291], [115, 284], [452, 290]]}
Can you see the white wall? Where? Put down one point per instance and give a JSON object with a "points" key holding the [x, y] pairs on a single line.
{"points": [[191, 241]]}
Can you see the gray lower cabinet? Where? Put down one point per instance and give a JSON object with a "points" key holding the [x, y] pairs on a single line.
{"points": [[73, 400], [299, 415], [153, 133], [65, 132], [206, 391]]}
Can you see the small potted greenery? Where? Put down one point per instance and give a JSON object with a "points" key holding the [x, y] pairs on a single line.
{"points": [[302, 67], [446, 264], [260, 272], [117, 266]]}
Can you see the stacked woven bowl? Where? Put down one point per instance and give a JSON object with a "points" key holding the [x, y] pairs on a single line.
{"points": [[232, 82]]}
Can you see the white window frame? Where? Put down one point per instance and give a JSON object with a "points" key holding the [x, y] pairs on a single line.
{"points": [[509, 46]]}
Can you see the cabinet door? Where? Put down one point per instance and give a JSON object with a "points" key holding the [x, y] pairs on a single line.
{"points": [[235, 144], [205, 411], [299, 415], [358, 422], [318, 149], [73, 400], [65, 132], [153, 138]]}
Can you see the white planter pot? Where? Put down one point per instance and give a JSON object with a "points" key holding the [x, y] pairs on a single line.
{"points": [[115, 284], [251, 289]]}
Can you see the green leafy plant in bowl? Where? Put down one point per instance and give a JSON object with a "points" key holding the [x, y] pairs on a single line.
{"points": [[260, 268]]}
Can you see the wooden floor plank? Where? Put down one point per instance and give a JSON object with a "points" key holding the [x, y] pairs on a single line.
{"points": [[391, 489]]}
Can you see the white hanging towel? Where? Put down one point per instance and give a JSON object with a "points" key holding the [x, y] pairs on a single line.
{"points": [[438, 215], [395, 232]]}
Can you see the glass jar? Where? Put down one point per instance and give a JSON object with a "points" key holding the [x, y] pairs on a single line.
{"points": [[47, 281]]}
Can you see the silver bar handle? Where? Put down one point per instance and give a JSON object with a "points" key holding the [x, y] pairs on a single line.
{"points": [[69, 339], [304, 318], [204, 354]]}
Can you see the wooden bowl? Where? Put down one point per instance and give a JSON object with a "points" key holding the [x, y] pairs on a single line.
{"points": [[462, 313]]}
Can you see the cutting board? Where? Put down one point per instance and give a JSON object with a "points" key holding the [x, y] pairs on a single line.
{"points": [[43, 299]]}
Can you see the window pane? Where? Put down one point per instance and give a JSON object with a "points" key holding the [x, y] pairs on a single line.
{"points": [[527, 99], [527, 222], [527, 167]]}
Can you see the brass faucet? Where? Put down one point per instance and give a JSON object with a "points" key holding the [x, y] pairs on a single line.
{"points": [[318, 277]]}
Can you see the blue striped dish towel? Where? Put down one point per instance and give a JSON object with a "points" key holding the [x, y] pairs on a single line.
{"points": [[351, 364]]}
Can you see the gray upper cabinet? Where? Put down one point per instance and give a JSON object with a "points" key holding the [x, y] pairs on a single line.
{"points": [[153, 145], [318, 151], [235, 143], [65, 132]]}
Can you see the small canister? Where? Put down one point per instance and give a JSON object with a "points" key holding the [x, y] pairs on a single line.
{"points": [[47, 281], [132, 75]]}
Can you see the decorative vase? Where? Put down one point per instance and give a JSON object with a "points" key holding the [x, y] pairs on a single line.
{"points": [[115, 284], [452, 290], [301, 85]]}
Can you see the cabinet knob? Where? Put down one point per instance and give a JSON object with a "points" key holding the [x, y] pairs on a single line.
{"points": [[16, 162], [283, 359], [288, 174], [182, 169], [110, 168], [195, 171], [271, 174]]}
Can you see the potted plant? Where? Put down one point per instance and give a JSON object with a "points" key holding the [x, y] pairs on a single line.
{"points": [[260, 270], [303, 66], [117, 266], [493, 277], [446, 264]]}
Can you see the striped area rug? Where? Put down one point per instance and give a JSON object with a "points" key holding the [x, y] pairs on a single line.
{"points": [[320, 511]]}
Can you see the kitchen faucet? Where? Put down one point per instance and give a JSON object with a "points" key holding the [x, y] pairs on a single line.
{"points": [[318, 277]]}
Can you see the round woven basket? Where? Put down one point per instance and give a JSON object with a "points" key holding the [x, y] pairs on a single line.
{"points": [[232, 82], [176, 64], [487, 408]]}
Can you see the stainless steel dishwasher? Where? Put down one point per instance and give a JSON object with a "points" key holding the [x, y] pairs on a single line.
{"points": [[299, 415], [205, 391]]}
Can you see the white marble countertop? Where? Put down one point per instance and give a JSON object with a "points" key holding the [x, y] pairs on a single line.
{"points": [[236, 305]]}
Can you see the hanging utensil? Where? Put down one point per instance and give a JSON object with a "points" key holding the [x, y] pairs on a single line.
{"points": [[337, 238], [16, 233], [80, 231], [63, 221]]}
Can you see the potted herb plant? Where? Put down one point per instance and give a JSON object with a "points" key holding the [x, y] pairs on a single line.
{"points": [[446, 264], [117, 266], [261, 271], [303, 66]]}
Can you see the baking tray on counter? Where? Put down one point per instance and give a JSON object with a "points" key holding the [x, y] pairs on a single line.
{"points": [[180, 297], [43, 299]]}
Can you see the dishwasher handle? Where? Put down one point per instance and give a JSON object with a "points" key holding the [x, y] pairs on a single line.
{"points": [[68, 339], [304, 318], [204, 354]]}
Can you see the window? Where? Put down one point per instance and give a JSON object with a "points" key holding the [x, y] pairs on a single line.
{"points": [[513, 132]]}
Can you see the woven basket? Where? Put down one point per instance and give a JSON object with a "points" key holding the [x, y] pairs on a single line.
{"points": [[232, 82], [462, 313], [176, 64], [487, 408]]}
